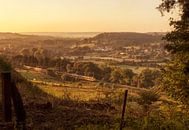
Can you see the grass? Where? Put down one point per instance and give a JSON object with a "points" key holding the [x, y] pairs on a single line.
{"points": [[84, 93], [29, 75], [67, 113], [93, 107], [135, 69], [87, 105]]}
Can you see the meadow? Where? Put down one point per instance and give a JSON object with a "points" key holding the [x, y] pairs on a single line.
{"points": [[94, 106]]}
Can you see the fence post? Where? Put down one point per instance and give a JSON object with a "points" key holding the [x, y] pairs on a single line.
{"points": [[6, 96], [123, 110], [18, 104]]}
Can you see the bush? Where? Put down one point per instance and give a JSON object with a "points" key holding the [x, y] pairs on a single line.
{"points": [[148, 97]]}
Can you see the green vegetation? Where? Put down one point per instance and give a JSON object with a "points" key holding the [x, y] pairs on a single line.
{"points": [[93, 105], [175, 79], [80, 83], [135, 69], [148, 78], [4, 66], [90, 107], [71, 71]]}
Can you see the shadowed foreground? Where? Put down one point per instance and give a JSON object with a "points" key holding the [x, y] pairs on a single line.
{"points": [[47, 112]]}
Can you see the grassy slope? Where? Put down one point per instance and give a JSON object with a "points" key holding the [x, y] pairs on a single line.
{"points": [[73, 107], [65, 113], [89, 107]]}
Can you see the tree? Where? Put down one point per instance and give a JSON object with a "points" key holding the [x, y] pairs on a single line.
{"points": [[148, 78], [106, 72], [175, 78], [91, 69], [116, 76], [61, 64], [147, 98], [4, 65], [128, 75]]}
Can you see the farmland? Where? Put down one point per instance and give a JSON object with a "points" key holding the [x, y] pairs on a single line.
{"points": [[76, 83], [90, 105], [94, 65]]}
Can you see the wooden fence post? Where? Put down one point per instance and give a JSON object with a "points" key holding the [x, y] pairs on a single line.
{"points": [[6, 96], [18, 104], [123, 110]]}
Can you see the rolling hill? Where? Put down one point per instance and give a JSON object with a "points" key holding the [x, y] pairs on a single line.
{"points": [[124, 39]]}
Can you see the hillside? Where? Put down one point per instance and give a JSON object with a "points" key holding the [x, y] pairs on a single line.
{"points": [[124, 38], [10, 36], [4, 36], [14, 43], [90, 106]]}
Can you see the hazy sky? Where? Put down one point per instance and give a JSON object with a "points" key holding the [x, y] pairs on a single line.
{"points": [[81, 16]]}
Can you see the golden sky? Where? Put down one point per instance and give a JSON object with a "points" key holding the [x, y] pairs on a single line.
{"points": [[81, 16]]}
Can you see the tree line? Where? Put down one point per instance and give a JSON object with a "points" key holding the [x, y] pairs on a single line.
{"points": [[102, 72]]}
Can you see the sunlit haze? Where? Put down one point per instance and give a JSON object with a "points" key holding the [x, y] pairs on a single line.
{"points": [[81, 16]]}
